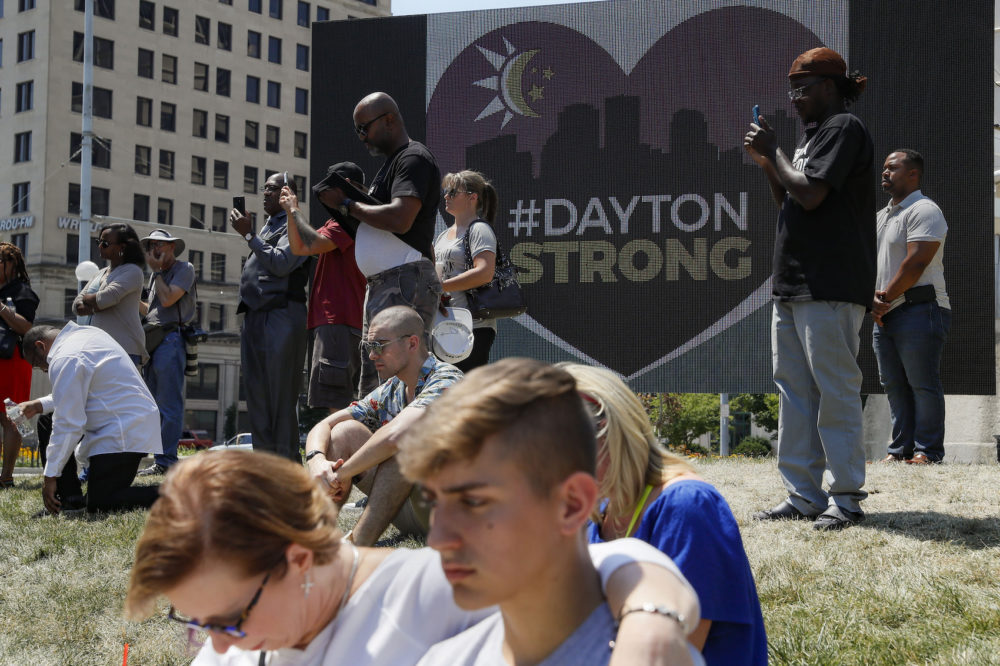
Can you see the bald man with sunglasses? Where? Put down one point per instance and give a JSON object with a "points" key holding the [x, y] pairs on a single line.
{"points": [[358, 445]]}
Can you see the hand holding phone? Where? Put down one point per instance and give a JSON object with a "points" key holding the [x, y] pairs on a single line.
{"points": [[240, 204], [756, 114]]}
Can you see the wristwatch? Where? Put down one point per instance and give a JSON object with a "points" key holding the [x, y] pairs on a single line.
{"points": [[313, 454], [345, 206], [248, 236]]}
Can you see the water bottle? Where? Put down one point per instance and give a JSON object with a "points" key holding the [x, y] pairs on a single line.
{"points": [[17, 417]]}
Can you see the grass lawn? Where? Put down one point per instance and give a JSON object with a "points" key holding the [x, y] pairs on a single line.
{"points": [[917, 583]]}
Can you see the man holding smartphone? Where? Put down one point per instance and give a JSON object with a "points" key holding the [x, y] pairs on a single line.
{"points": [[273, 334]]}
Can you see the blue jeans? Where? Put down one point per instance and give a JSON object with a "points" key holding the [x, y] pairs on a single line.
{"points": [[908, 349], [164, 375]]}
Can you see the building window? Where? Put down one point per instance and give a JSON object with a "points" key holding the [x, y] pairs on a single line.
{"points": [[274, 50], [145, 63], [99, 197], [225, 37], [197, 257], [250, 179], [302, 57], [204, 386], [197, 222], [164, 211], [25, 5], [216, 311], [251, 134], [102, 8], [100, 150], [221, 175], [167, 164], [20, 197], [170, 21], [143, 159], [303, 14], [274, 9], [302, 101], [300, 183], [144, 111], [253, 44], [254, 6], [25, 96], [147, 15], [300, 144], [219, 215], [69, 295], [218, 267], [253, 89], [104, 51], [198, 166], [201, 76], [322, 14], [168, 68], [140, 207], [202, 27], [21, 242], [222, 82], [272, 139], [25, 46], [1, 41], [274, 94], [22, 147], [168, 117], [199, 124], [101, 100]]}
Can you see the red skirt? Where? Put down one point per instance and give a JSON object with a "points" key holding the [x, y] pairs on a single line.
{"points": [[15, 378]]}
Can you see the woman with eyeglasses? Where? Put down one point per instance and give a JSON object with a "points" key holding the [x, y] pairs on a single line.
{"points": [[245, 546], [15, 372], [655, 496], [466, 252], [112, 296]]}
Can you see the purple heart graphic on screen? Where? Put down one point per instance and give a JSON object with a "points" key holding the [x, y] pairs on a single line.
{"points": [[626, 199]]}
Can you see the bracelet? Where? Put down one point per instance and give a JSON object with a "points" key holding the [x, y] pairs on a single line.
{"points": [[313, 454], [649, 607]]}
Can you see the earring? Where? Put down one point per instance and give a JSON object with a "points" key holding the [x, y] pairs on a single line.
{"points": [[121, 253], [307, 585]]}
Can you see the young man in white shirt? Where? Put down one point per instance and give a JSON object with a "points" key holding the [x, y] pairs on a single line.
{"points": [[507, 461], [104, 415]]}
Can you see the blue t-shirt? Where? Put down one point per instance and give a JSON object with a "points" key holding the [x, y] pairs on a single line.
{"points": [[691, 522]]}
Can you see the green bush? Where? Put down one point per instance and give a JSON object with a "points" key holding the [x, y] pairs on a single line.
{"points": [[753, 447]]}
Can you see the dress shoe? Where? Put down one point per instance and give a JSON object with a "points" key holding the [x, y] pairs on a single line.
{"points": [[892, 457], [836, 518], [920, 459], [784, 511]]}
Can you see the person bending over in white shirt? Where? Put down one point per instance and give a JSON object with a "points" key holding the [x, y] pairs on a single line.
{"points": [[245, 545], [104, 414]]}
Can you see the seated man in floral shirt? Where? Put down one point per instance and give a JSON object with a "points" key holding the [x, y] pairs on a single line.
{"points": [[358, 444]]}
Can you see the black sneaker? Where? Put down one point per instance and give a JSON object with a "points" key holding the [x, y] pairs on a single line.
{"points": [[152, 470], [836, 518]]}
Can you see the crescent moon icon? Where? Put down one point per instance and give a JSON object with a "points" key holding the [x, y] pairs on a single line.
{"points": [[511, 77]]}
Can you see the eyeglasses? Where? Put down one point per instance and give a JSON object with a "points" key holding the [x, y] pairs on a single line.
{"points": [[362, 129], [378, 346], [800, 92], [271, 187], [104, 243], [234, 630], [452, 191]]}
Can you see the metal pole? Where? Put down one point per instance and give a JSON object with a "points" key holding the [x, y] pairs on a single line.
{"points": [[87, 129], [723, 424]]}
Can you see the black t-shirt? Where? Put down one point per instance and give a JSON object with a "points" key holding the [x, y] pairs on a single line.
{"points": [[25, 300], [412, 171], [828, 253]]}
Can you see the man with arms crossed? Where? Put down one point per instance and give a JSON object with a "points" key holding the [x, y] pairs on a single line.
{"points": [[507, 462], [824, 278], [911, 311], [394, 245], [358, 444]]}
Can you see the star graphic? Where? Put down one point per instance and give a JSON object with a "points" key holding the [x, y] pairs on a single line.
{"points": [[536, 93], [548, 73]]}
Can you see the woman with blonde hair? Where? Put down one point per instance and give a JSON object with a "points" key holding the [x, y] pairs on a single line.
{"points": [[653, 495], [245, 546], [466, 252]]}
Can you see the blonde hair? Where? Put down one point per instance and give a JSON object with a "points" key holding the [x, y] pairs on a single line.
{"points": [[635, 455], [244, 508], [476, 183], [531, 405]]}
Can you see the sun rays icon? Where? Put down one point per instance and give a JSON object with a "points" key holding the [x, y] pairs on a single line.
{"points": [[508, 84]]}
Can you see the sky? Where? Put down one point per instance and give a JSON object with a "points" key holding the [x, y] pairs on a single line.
{"points": [[400, 7]]}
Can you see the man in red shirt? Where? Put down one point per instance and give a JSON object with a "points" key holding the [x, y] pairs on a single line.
{"points": [[336, 301]]}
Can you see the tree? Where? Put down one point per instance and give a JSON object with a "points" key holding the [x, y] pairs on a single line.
{"points": [[762, 406], [681, 418]]}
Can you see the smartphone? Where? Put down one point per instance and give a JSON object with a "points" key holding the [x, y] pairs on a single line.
{"points": [[756, 114], [285, 176], [240, 204]]}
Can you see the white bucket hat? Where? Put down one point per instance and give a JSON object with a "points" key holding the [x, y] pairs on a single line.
{"points": [[451, 335], [164, 236]]}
